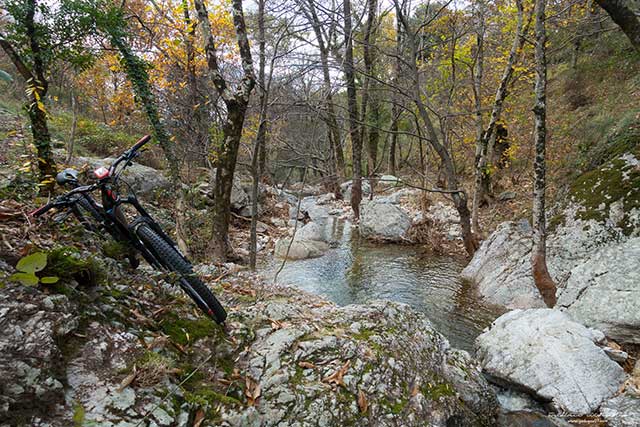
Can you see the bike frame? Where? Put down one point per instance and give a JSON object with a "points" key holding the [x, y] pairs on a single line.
{"points": [[111, 217]]}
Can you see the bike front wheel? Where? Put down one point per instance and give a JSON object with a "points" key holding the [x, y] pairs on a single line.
{"points": [[171, 259]]}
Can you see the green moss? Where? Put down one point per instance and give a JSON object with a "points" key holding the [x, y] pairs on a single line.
{"points": [[434, 391], [363, 334], [78, 415], [116, 250], [66, 262], [598, 189], [207, 397], [185, 331], [625, 138]]}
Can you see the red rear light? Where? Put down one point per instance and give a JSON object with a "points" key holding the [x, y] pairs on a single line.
{"points": [[101, 172]]}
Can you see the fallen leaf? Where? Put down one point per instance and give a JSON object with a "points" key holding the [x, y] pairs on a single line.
{"points": [[251, 390], [363, 404], [128, 379], [337, 377], [306, 365], [199, 418], [415, 390]]}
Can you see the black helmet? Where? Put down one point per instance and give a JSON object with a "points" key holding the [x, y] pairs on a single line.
{"points": [[66, 176]]}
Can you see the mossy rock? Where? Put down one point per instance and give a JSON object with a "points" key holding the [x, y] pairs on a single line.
{"points": [[66, 262], [618, 181], [186, 331], [625, 139]]}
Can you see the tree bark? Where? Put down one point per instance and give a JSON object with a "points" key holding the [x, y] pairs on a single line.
{"points": [[236, 103], [334, 134], [457, 194], [260, 138], [139, 78], [488, 136], [370, 102], [352, 105], [477, 95], [541, 275], [627, 19], [36, 81]]}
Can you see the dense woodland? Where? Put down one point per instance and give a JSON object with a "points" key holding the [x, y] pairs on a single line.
{"points": [[451, 95], [502, 134]]}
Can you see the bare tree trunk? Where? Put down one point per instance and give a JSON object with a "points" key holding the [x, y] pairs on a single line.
{"points": [[74, 125], [236, 103], [477, 95], [395, 117], [396, 111], [352, 104], [260, 139], [370, 102], [457, 194], [541, 275], [488, 136], [622, 13]]}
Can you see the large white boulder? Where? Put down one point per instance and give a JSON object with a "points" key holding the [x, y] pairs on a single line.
{"points": [[144, 181], [501, 268], [308, 242], [550, 356], [383, 221], [604, 292]]}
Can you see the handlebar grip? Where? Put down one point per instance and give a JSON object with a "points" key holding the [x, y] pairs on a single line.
{"points": [[140, 143], [41, 210]]}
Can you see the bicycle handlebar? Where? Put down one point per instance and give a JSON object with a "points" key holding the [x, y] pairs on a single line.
{"points": [[140, 143], [128, 156]]}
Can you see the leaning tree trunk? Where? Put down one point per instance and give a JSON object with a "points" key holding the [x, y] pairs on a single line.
{"points": [[135, 69], [487, 137], [37, 86], [541, 275], [457, 194], [622, 13], [352, 104], [236, 102]]}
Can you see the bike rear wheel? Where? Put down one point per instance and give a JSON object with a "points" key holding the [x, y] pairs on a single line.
{"points": [[170, 258]]}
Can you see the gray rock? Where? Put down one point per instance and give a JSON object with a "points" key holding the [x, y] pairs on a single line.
{"points": [[530, 419], [622, 411], [604, 291], [145, 181], [410, 377], [389, 181], [383, 221], [299, 249], [345, 188], [502, 270], [506, 196], [547, 354]]}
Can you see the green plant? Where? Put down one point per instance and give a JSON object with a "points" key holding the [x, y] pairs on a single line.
{"points": [[28, 267]]}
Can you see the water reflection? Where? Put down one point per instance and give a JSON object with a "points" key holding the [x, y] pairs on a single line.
{"points": [[356, 271]]}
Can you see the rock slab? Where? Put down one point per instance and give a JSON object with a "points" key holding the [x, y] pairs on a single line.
{"points": [[545, 353], [383, 221]]}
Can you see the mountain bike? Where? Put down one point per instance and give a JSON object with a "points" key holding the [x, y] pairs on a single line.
{"points": [[123, 217]]}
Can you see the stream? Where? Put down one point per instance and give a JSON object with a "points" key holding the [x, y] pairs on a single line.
{"points": [[355, 271]]}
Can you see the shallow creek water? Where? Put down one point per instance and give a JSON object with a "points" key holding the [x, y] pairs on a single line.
{"points": [[356, 271]]}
